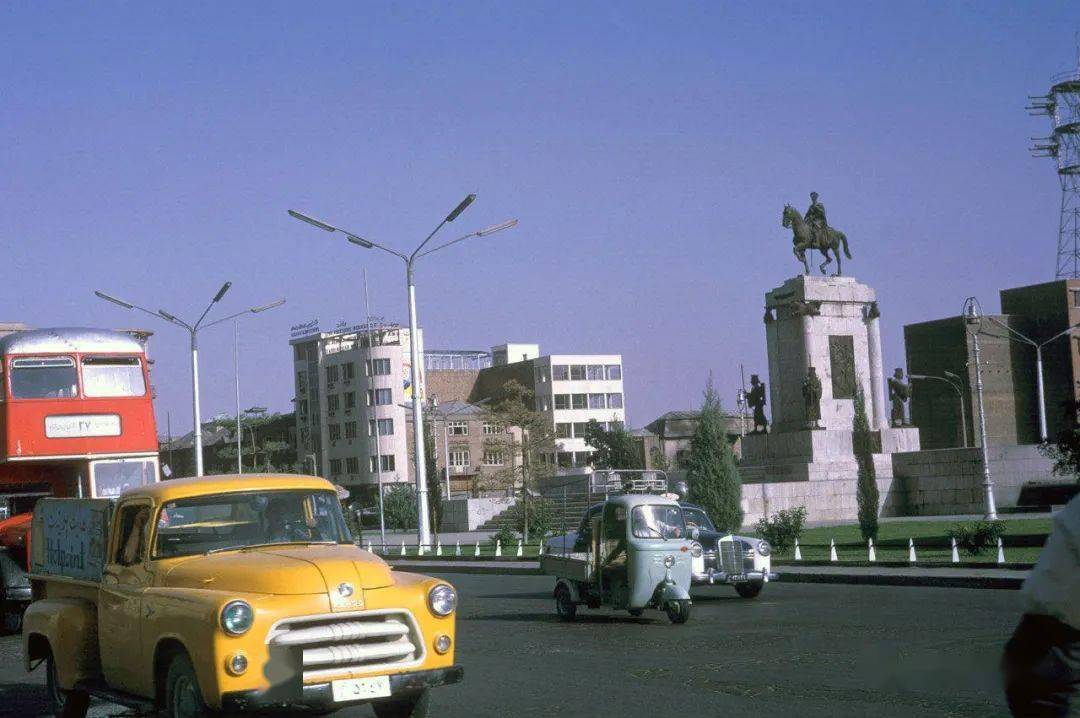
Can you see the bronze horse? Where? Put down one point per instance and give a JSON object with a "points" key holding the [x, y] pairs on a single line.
{"points": [[804, 238]]}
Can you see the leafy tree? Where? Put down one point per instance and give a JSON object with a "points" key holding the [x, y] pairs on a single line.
{"points": [[659, 459], [1065, 453], [711, 469], [867, 494], [399, 507], [613, 448]]}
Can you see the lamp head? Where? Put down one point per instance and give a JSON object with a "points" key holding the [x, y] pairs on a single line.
{"points": [[462, 206], [311, 220]]}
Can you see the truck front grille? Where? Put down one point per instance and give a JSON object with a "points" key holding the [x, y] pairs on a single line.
{"points": [[731, 556], [337, 644]]}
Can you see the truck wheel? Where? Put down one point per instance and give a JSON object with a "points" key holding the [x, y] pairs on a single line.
{"points": [[564, 605], [64, 704], [678, 611], [183, 699], [750, 589], [414, 706]]}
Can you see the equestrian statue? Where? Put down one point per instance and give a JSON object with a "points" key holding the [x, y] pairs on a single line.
{"points": [[813, 232]]}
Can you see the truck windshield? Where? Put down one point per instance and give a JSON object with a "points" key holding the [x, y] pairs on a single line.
{"points": [[243, 520], [112, 478], [658, 521]]}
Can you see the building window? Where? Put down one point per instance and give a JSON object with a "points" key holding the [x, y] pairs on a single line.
{"points": [[595, 372], [332, 373], [614, 371], [577, 372], [579, 429], [332, 402], [352, 465], [385, 427], [382, 463], [544, 404], [333, 431], [490, 428], [301, 382], [597, 401], [350, 430], [582, 458], [579, 401], [350, 399], [335, 467], [494, 457], [348, 371], [378, 367], [459, 458], [560, 372], [614, 401], [457, 428], [543, 375], [565, 459], [379, 397], [1076, 298], [562, 431], [562, 401]]}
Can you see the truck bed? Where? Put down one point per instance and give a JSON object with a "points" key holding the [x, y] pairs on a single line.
{"points": [[576, 566]]}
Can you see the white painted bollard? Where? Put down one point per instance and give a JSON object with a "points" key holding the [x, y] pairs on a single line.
{"points": [[540, 549], [457, 548], [498, 548], [911, 551], [438, 548], [420, 549], [871, 554], [832, 550], [402, 547], [955, 553], [520, 553], [477, 551], [370, 548], [798, 551], [1001, 550]]}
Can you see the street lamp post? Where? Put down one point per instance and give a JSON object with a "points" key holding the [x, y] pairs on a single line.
{"points": [[1017, 336], [973, 317], [424, 528], [193, 331], [959, 396]]}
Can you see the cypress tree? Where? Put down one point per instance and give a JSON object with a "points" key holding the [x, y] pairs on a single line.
{"points": [[867, 493], [712, 473]]}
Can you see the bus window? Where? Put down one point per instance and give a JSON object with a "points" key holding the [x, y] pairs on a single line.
{"points": [[113, 376], [112, 478], [45, 378]]}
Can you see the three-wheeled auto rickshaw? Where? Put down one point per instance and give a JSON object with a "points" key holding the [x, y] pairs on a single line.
{"points": [[639, 557]]}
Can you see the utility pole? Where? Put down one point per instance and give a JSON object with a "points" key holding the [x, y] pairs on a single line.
{"points": [[973, 317]]}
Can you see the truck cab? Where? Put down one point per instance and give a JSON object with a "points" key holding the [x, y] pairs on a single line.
{"points": [[230, 594]]}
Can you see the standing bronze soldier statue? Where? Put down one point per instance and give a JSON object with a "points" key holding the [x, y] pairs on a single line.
{"points": [[756, 400], [899, 393], [811, 391]]}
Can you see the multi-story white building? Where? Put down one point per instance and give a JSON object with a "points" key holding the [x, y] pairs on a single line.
{"points": [[350, 388]]}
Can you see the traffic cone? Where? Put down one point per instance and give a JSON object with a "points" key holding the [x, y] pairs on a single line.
{"points": [[438, 548], [477, 551], [402, 547], [498, 548], [911, 551], [955, 553], [872, 555], [519, 552], [798, 551], [540, 549], [457, 548], [1001, 551], [832, 550]]}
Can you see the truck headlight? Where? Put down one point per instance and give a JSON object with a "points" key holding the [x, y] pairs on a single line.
{"points": [[695, 550], [237, 617], [442, 599], [764, 548]]}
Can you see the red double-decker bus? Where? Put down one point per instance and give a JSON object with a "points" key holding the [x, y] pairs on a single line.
{"points": [[76, 419]]}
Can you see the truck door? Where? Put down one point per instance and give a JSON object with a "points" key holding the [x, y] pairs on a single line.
{"points": [[123, 581]]}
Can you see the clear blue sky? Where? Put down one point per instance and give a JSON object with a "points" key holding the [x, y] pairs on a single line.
{"points": [[151, 150]]}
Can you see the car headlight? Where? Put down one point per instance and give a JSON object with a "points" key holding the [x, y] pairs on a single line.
{"points": [[764, 548], [237, 617], [442, 599], [695, 550]]}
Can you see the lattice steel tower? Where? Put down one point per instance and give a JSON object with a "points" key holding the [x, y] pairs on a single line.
{"points": [[1062, 106]]}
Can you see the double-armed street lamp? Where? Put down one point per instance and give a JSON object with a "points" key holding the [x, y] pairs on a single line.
{"points": [[955, 382], [193, 329], [424, 528]]}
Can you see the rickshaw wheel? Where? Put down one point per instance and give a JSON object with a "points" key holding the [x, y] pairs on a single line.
{"points": [[564, 605], [678, 611]]}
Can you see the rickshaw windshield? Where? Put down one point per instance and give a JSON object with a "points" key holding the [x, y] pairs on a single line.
{"points": [[658, 521]]}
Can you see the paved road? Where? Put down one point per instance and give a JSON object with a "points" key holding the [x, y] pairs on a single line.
{"points": [[798, 650]]}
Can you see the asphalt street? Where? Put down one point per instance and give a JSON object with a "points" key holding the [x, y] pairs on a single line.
{"points": [[797, 650]]}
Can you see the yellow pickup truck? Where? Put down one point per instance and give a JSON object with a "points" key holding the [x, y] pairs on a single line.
{"points": [[229, 594]]}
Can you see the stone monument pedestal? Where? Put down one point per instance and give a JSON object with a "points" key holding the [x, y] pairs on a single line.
{"points": [[832, 324]]}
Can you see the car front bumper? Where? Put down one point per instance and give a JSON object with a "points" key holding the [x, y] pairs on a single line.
{"points": [[712, 576], [320, 696]]}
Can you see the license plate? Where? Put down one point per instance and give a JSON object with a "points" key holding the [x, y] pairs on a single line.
{"points": [[358, 689]]}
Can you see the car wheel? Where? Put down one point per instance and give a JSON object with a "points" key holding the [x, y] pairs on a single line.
{"points": [[750, 589], [183, 698], [678, 611], [636, 612], [63, 704], [414, 706], [564, 604]]}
